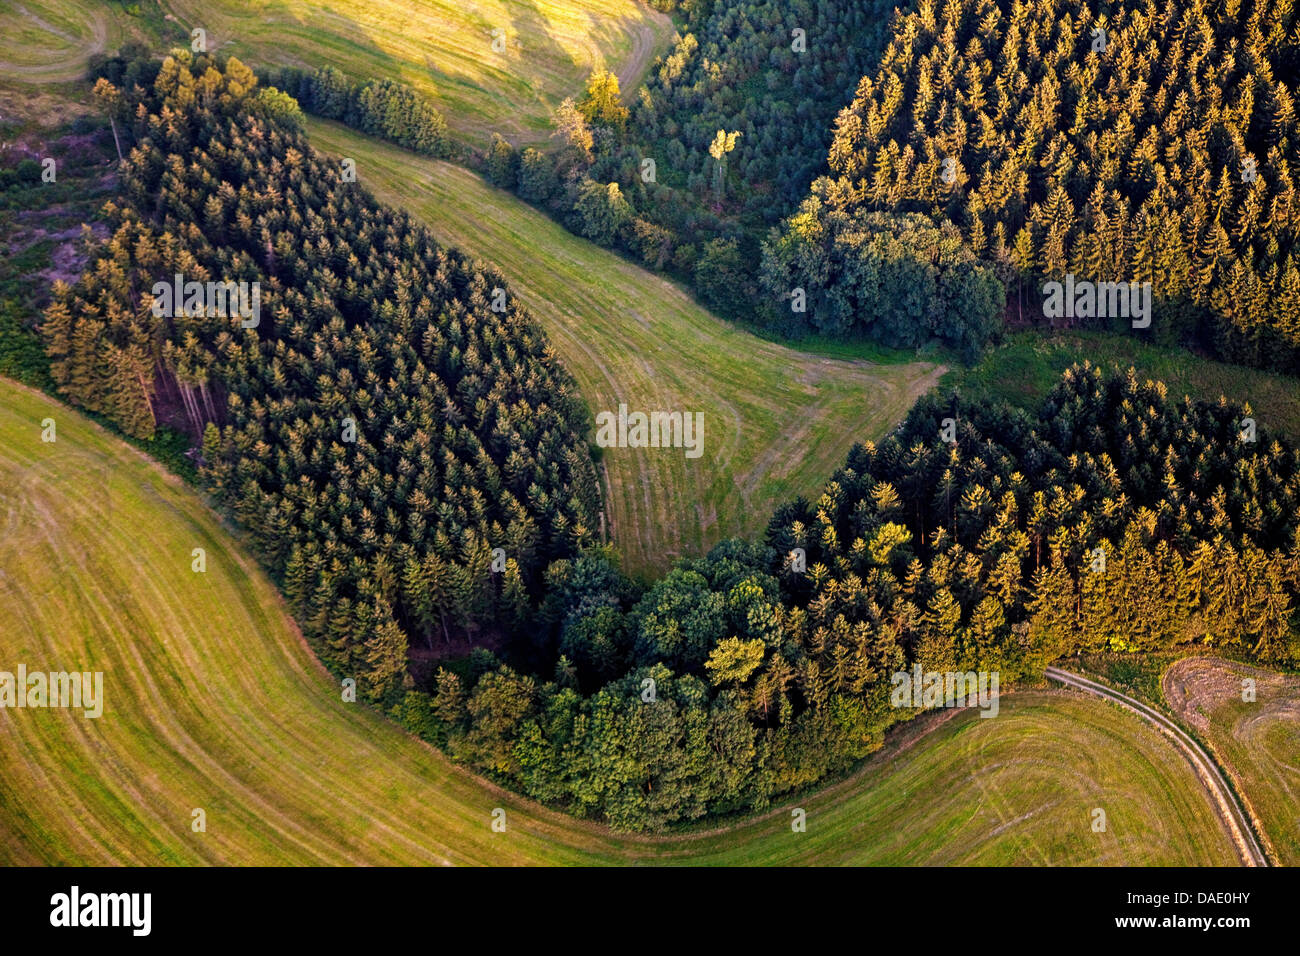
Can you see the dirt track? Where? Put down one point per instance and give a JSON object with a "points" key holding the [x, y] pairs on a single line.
{"points": [[1225, 801]]}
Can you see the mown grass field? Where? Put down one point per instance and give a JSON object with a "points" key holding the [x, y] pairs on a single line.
{"points": [[1026, 367], [1015, 790], [1258, 743], [50, 41], [776, 422], [444, 48], [213, 701]]}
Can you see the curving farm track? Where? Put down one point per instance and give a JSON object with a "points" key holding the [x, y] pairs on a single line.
{"points": [[1225, 801]]}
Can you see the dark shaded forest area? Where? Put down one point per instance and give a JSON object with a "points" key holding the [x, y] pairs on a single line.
{"points": [[395, 417]]}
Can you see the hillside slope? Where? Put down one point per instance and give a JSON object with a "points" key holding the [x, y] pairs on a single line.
{"points": [[443, 48], [213, 701]]}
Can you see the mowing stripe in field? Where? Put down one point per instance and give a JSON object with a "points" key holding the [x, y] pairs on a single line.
{"points": [[212, 700], [544, 49], [1256, 741], [51, 41]]}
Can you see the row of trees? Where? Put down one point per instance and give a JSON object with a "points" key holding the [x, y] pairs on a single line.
{"points": [[972, 539], [390, 421], [1149, 140], [382, 108]]}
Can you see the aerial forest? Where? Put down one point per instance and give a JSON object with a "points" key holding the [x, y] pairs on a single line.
{"points": [[415, 469], [1140, 142], [977, 147], [393, 425]]}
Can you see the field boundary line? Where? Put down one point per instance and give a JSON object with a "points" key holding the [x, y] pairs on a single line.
{"points": [[1224, 799]]}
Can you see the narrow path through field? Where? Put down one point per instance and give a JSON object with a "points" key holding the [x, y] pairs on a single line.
{"points": [[1234, 818]]}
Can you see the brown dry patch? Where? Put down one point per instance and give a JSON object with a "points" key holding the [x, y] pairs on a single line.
{"points": [[1195, 686], [68, 259], [1206, 693], [30, 106]]}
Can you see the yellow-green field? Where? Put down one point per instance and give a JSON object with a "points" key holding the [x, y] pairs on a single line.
{"points": [[1257, 742], [444, 48], [777, 422], [50, 41], [213, 701]]}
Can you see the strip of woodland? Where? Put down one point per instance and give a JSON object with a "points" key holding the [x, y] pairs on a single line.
{"points": [[393, 418], [973, 538]]}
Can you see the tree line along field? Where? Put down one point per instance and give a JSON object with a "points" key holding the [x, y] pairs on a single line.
{"points": [[892, 606], [1024, 368], [441, 48], [973, 809], [777, 421], [1257, 742], [644, 341], [1149, 141], [213, 701]]}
